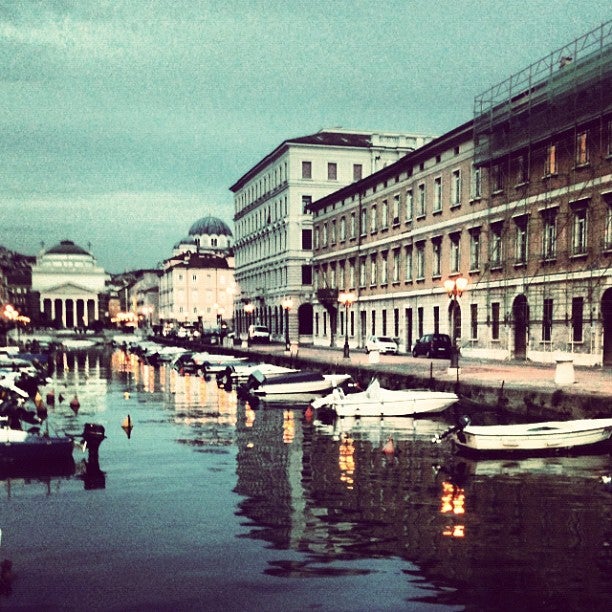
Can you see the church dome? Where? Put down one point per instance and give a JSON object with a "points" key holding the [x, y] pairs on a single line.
{"points": [[210, 226], [67, 247]]}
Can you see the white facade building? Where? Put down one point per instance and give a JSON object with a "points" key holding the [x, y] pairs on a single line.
{"points": [[273, 224], [197, 282], [69, 282]]}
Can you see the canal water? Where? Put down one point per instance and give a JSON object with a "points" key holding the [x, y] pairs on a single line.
{"points": [[211, 505]]}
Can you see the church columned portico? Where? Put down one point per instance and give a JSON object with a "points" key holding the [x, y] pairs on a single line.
{"points": [[71, 311], [69, 284]]}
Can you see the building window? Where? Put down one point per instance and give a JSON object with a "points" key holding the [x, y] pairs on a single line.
{"points": [[373, 270], [357, 172], [384, 270], [475, 249], [577, 318], [332, 171], [373, 219], [332, 277], [362, 272], [306, 202], [353, 228], [422, 204], [437, 256], [547, 320], [455, 259], [396, 209], [325, 241], [496, 250], [522, 170], [317, 242], [521, 239], [332, 238], [582, 149], [352, 274], [306, 170], [306, 275], [384, 223], [456, 188], [396, 265], [437, 205], [409, 205], [608, 229], [307, 239], [436, 319], [342, 229], [474, 321], [364, 221], [384, 322], [495, 321], [579, 232], [550, 163], [373, 328], [476, 182], [497, 178], [549, 234], [420, 261], [408, 274]]}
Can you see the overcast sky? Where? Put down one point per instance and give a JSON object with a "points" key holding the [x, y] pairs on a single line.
{"points": [[124, 121]]}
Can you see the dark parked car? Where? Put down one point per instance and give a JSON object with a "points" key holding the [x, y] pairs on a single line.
{"points": [[433, 345]]}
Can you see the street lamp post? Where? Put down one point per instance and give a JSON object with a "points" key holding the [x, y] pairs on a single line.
{"points": [[347, 299], [454, 288], [287, 304]]}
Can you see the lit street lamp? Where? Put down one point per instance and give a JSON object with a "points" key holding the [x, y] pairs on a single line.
{"points": [[454, 288], [287, 304], [347, 299]]}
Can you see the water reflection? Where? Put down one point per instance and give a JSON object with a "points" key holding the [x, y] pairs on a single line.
{"points": [[478, 528], [327, 501]]}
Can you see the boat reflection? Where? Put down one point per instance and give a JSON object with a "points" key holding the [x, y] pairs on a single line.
{"points": [[335, 496]]}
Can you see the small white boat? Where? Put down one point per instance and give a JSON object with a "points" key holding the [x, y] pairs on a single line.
{"points": [[529, 437], [236, 373], [377, 401], [301, 381], [76, 344]]}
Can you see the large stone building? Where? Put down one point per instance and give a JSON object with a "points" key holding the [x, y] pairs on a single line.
{"points": [[273, 222], [197, 282], [518, 202], [70, 284]]}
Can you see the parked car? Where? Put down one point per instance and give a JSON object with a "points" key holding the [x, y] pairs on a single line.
{"points": [[433, 345], [259, 333], [382, 344]]}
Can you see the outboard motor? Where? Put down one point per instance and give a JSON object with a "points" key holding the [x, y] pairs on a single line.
{"points": [[255, 380], [92, 436], [463, 422]]}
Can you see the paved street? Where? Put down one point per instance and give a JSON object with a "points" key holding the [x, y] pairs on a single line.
{"points": [[588, 381]]}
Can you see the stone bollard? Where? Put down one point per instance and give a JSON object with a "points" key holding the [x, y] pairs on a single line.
{"points": [[564, 373], [374, 357]]}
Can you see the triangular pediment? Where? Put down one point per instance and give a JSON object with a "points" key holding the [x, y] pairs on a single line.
{"points": [[68, 289]]}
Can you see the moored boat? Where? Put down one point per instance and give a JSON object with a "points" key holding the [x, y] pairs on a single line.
{"points": [[377, 401], [579, 434], [301, 381]]}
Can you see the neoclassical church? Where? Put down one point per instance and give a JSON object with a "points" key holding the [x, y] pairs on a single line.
{"points": [[197, 285], [70, 284]]}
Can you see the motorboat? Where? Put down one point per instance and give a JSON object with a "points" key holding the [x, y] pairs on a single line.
{"points": [[235, 374], [26, 439], [579, 434], [300, 381], [380, 402]]}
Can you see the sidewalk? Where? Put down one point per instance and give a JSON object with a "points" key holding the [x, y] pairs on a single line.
{"points": [[519, 377]]}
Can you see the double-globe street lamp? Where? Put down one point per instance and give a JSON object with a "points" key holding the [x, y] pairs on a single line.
{"points": [[454, 288], [347, 299], [287, 304]]}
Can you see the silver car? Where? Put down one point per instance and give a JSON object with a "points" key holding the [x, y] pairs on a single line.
{"points": [[382, 344]]}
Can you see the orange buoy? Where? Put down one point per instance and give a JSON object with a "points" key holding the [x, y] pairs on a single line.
{"points": [[389, 447], [75, 404]]}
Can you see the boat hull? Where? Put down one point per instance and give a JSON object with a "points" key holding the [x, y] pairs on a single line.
{"points": [[286, 385], [535, 437], [379, 402], [35, 449]]}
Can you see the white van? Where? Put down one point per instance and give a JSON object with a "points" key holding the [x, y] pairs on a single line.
{"points": [[259, 333]]}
